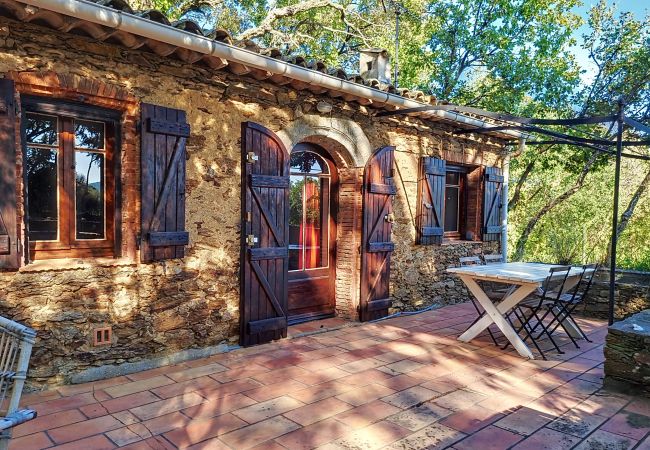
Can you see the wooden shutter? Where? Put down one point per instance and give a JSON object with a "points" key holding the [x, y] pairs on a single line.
{"points": [[431, 200], [492, 203], [164, 133], [10, 248], [377, 246], [265, 236]]}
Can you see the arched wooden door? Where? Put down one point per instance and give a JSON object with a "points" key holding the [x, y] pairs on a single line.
{"points": [[377, 247], [265, 233]]}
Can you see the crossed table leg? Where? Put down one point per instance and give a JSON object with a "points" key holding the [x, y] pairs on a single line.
{"points": [[496, 314]]}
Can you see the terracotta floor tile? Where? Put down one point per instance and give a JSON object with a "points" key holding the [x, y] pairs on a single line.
{"points": [[322, 376], [137, 386], [160, 371], [603, 439], [372, 437], [195, 372], [184, 387], [321, 391], [317, 411], [365, 394], [410, 397], [84, 429], [364, 415], [232, 387], [168, 422], [628, 424], [258, 433], [313, 435], [471, 420], [64, 403], [420, 416], [129, 434], [166, 406], [210, 444], [219, 406], [576, 423], [489, 438], [203, 429], [48, 422], [275, 390], [361, 365], [34, 441], [460, 399], [547, 439], [95, 443], [276, 376], [129, 401], [267, 409], [525, 421], [433, 437], [366, 377]]}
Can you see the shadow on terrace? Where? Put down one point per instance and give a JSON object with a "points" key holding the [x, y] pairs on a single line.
{"points": [[401, 383]]}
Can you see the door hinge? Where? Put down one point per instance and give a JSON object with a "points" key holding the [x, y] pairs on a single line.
{"points": [[251, 240], [251, 157]]}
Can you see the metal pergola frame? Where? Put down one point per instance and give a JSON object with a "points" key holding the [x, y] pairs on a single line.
{"points": [[532, 126]]}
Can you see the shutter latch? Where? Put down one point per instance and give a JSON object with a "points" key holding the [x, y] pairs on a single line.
{"points": [[251, 240], [251, 157]]}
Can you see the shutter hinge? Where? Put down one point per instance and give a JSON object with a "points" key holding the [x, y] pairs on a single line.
{"points": [[251, 157], [249, 216], [138, 241], [251, 240]]}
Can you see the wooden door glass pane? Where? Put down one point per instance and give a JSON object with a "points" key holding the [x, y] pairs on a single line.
{"points": [[451, 208], [89, 195], [42, 199], [308, 218], [296, 184], [313, 222]]}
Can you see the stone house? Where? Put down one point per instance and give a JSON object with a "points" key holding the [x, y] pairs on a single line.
{"points": [[167, 194]]}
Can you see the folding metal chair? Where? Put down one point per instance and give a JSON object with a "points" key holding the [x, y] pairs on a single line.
{"points": [[16, 343], [527, 311], [567, 302], [476, 261], [495, 291]]}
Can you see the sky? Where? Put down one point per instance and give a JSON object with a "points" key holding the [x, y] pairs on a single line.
{"points": [[639, 8]]}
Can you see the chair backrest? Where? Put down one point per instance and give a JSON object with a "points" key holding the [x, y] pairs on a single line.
{"points": [[16, 343], [493, 259], [553, 286], [579, 292], [469, 261]]}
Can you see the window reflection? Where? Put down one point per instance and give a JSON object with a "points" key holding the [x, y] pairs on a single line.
{"points": [[89, 193], [41, 166], [41, 129], [308, 213], [88, 134]]}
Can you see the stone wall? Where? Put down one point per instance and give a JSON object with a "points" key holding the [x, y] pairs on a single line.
{"points": [[162, 308], [632, 294]]}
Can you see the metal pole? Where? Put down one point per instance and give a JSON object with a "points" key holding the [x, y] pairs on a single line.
{"points": [[397, 13], [617, 182]]}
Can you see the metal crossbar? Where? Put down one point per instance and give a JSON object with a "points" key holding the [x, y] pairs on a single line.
{"points": [[16, 342]]}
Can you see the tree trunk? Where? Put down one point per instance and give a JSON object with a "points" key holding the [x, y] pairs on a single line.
{"points": [[532, 223], [629, 212], [516, 196]]}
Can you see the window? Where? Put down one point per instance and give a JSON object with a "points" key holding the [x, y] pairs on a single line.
{"points": [[69, 172], [308, 211], [454, 215]]}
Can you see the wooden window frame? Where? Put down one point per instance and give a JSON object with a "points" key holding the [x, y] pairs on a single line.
{"points": [[68, 246], [462, 203]]}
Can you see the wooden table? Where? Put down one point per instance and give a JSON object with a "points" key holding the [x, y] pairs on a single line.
{"points": [[525, 279]]}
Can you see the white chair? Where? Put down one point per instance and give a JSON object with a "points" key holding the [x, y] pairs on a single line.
{"points": [[16, 343]]}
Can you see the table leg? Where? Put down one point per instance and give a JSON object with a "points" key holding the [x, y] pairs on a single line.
{"points": [[496, 314]]}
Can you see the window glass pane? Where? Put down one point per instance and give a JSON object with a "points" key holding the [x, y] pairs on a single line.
{"points": [[41, 167], [89, 175], [308, 162], [297, 184], [88, 134], [313, 222], [41, 129], [453, 178], [451, 208]]}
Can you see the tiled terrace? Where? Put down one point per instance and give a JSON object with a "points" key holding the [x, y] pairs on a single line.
{"points": [[403, 383]]}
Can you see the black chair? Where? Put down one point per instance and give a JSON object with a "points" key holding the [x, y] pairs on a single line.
{"points": [[496, 291], [476, 261], [527, 312], [567, 302]]}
